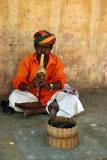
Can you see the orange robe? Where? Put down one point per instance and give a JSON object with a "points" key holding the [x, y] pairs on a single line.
{"points": [[27, 70]]}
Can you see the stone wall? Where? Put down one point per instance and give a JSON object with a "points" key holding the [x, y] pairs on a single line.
{"points": [[81, 30]]}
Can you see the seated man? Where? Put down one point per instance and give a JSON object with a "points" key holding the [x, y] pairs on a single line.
{"points": [[40, 79]]}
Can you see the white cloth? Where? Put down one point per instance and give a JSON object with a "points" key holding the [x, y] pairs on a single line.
{"points": [[69, 105], [18, 96], [68, 101]]}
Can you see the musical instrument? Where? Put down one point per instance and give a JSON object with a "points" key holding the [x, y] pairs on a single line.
{"points": [[41, 71]]}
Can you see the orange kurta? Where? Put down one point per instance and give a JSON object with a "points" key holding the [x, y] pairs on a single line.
{"points": [[27, 70]]}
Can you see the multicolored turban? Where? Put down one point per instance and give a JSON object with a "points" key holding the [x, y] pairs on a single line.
{"points": [[44, 37]]}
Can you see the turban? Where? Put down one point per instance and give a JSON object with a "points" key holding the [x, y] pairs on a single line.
{"points": [[44, 37]]}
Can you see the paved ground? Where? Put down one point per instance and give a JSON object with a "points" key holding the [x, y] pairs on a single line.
{"points": [[25, 139]]}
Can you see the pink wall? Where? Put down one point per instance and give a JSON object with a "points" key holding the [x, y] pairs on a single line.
{"points": [[81, 30]]}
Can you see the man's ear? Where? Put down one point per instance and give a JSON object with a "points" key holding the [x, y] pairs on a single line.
{"points": [[51, 46], [35, 45]]}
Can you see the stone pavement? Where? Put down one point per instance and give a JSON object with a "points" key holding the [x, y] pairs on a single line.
{"points": [[25, 139]]}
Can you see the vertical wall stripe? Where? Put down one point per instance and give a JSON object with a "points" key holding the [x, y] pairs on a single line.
{"points": [[13, 15], [55, 20], [94, 20]]}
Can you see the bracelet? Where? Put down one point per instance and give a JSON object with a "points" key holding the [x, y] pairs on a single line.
{"points": [[51, 86]]}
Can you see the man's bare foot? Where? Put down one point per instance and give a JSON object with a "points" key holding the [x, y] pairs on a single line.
{"points": [[28, 113], [31, 112]]}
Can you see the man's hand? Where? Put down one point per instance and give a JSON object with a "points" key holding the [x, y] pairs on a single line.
{"points": [[44, 84], [39, 81], [22, 86], [34, 83]]}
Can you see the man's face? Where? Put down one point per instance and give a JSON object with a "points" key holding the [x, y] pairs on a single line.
{"points": [[43, 48]]}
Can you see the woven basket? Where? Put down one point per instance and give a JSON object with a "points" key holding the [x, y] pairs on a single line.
{"points": [[62, 132], [62, 143], [62, 138]]}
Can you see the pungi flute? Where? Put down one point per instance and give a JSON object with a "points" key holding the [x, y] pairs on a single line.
{"points": [[41, 73]]}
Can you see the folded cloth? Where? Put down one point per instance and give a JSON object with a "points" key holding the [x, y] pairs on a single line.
{"points": [[71, 90]]}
